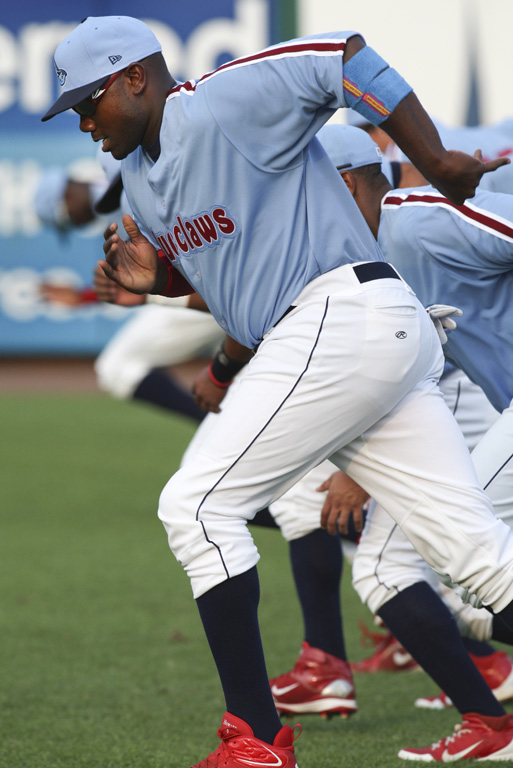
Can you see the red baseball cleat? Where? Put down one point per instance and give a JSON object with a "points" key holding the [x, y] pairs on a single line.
{"points": [[497, 670], [389, 655], [319, 683], [239, 748], [472, 740]]}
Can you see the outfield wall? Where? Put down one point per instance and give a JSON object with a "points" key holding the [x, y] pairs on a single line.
{"points": [[437, 46], [197, 36]]}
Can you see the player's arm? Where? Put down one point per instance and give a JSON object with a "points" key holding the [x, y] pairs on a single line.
{"points": [[455, 174], [378, 92], [109, 291], [213, 381]]}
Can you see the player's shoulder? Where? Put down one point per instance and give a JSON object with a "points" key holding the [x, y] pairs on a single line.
{"points": [[404, 198]]}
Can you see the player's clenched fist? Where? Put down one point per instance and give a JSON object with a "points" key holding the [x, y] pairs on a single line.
{"points": [[344, 497], [132, 264]]}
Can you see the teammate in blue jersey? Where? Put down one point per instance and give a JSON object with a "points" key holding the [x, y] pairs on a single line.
{"points": [[460, 254], [234, 197]]}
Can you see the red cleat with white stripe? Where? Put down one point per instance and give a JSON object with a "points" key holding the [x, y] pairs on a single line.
{"points": [[239, 748], [319, 684], [472, 740]]}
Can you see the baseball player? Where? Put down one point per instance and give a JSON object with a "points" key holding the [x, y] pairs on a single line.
{"points": [[234, 197], [462, 252]]}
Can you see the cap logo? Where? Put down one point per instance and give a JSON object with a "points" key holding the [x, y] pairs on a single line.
{"points": [[115, 59], [61, 75]]}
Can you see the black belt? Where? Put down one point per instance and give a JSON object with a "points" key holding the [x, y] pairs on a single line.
{"points": [[370, 270], [374, 270]]}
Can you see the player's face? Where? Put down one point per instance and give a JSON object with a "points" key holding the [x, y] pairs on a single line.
{"points": [[115, 122]]}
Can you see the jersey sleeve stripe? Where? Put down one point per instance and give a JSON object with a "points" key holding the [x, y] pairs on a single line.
{"points": [[476, 216], [306, 48]]}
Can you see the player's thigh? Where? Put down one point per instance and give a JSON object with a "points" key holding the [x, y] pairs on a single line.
{"points": [[493, 460], [468, 404]]}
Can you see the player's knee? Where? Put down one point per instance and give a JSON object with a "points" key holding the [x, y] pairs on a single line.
{"points": [[177, 512], [370, 592], [114, 377], [472, 622]]}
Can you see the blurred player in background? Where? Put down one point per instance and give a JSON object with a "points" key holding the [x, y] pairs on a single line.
{"points": [[134, 363]]}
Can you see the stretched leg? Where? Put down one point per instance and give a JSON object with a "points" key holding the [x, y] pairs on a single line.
{"points": [[425, 627], [160, 389], [277, 427], [231, 608]]}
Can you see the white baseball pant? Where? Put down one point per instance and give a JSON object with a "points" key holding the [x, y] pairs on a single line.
{"points": [[351, 374], [157, 336], [298, 511], [385, 563]]}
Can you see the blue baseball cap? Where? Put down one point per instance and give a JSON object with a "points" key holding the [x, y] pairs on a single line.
{"points": [[349, 147], [99, 47], [49, 201]]}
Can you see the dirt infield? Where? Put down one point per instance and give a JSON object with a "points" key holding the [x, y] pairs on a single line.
{"points": [[63, 374]]}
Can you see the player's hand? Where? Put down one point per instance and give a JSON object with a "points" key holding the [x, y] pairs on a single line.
{"points": [[60, 294], [344, 497], [207, 394], [132, 264], [442, 316], [112, 293], [460, 174]]}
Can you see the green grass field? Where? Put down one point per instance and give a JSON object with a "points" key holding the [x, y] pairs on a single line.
{"points": [[104, 663]]}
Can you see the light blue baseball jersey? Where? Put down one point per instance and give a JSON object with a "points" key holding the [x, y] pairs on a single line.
{"points": [[243, 199], [462, 256]]}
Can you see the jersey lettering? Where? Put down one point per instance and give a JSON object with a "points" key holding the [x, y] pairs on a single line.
{"points": [[225, 224], [201, 231], [206, 228]]}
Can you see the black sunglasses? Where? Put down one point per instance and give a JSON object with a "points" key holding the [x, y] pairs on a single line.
{"points": [[87, 107]]}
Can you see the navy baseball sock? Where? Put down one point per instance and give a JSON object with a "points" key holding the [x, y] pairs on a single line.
{"points": [[317, 568], [229, 613], [264, 519], [502, 626], [478, 647], [159, 389], [423, 624]]}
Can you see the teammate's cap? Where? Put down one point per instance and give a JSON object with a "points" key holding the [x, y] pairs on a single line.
{"points": [[99, 47], [348, 147], [49, 198]]}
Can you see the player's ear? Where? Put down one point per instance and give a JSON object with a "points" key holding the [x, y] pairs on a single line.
{"points": [[350, 181], [137, 77]]}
